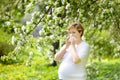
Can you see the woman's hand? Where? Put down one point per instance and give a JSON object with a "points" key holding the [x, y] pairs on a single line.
{"points": [[68, 42], [72, 40]]}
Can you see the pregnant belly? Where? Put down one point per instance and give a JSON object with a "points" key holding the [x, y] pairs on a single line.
{"points": [[71, 69]]}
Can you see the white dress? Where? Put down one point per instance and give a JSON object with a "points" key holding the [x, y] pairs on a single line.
{"points": [[68, 70]]}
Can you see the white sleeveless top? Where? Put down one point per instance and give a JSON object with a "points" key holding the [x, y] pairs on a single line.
{"points": [[68, 70]]}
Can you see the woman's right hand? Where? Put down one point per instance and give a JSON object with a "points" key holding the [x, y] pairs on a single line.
{"points": [[68, 42]]}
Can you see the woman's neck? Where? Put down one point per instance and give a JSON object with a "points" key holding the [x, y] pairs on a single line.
{"points": [[79, 41]]}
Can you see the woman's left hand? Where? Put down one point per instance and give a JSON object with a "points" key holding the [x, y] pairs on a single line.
{"points": [[72, 39]]}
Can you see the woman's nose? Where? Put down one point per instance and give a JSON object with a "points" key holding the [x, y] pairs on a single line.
{"points": [[71, 34]]}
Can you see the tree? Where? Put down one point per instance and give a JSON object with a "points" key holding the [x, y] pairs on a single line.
{"points": [[100, 19]]}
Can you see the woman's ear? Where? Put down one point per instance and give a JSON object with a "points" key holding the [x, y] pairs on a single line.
{"points": [[80, 33]]}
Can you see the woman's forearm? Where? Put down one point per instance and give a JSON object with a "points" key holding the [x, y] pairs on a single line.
{"points": [[60, 54], [75, 56]]}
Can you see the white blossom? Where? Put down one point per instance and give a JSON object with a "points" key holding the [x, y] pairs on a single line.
{"points": [[51, 36], [67, 6], [7, 23], [13, 40], [23, 28], [31, 53]]}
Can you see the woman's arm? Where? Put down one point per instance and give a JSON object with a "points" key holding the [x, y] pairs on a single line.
{"points": [[75, 57], [60, 54]]}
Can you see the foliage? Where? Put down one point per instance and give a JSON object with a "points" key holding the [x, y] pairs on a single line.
{"points": [[103, 70], [5, 47], [99, 18]]}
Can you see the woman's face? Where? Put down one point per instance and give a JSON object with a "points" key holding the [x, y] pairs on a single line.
{"points": [[74, 33]]}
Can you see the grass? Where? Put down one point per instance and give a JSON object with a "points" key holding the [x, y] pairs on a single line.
{"points": [[37, 71], [104, 70]]}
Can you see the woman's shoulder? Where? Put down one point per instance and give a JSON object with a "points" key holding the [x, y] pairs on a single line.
{"points": [[84, 43], [84, 46]]}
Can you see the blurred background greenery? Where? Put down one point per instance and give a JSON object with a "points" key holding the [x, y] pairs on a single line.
{"points": [[25, 55]]}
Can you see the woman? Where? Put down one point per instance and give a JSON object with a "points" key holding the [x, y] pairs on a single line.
{"points": [[74, 55]]}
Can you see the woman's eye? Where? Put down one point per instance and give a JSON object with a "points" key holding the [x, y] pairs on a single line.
{"points": [[73, 32]]}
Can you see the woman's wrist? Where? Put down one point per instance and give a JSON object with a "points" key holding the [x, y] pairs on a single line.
{"points": [[66, 46], [73, 45]]}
